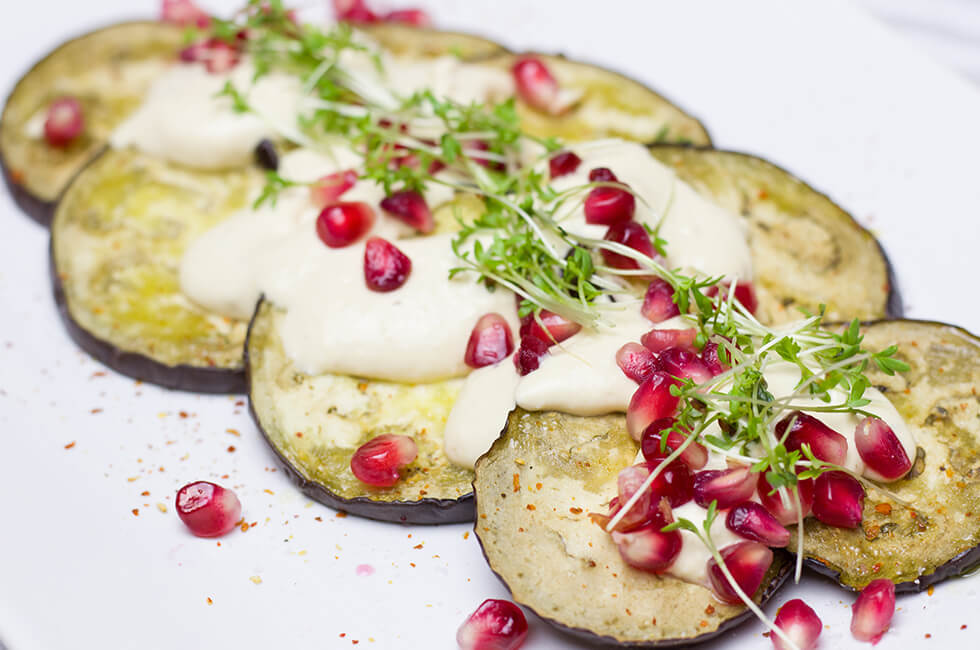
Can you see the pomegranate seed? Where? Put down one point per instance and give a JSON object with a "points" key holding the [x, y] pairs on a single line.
{"points": [[538, 87], [208, 509], [651, 401], [676, 483], [221, 57], [602, 175], [330, 188], [563, 163], [800, 623], [881, 449], [551, 329], [64, 122], [341, 224], [825, 443], [685, 364], [636, 361], [753, 521], [745, 294], [415, 17], [873, 611], [184, 13], [409, 206], [482, 145], [660, 340], [726, 486], [649, 549], [495, 625], [490, 342], [694, 455], [774, 503], [712, 361], [747, 562], [627, 233], [609, 205], [354, 11], [378, 460], [385, 267], [658, 304], [528, 356], [838, 500], [628, 482]]}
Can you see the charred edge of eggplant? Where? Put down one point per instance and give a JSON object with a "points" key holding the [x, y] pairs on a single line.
{"points": [[593, 637], [894, 304], [39, 210], [195, 379], [423, 511]]}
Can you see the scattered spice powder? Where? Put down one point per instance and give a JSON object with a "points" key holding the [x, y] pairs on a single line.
{"points": [[231, 449], [709, 610], [136, 512], [530, 506], [466, 535]]}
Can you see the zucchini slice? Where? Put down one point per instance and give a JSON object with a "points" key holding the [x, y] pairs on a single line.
{"points": [[421, 42], [116, 243], [939, 400], [108, 70], [611, 105], [314, 424], [535, 489], [805, 249]]}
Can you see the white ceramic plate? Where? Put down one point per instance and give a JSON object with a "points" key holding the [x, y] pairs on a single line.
{"points": [[819, 89]]}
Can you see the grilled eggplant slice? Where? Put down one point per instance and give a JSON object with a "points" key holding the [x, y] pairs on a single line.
{"points": [[116, 243], [535, 489], [941, 538], [315, 424], [806, 250], [421, 42], [108, 70]]}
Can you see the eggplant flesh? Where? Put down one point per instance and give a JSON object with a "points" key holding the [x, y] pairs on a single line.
{"points": [[316, 423], [806, 251], [117, 240], [108, 71], [939, 537], [422, 42], [535, 489]]}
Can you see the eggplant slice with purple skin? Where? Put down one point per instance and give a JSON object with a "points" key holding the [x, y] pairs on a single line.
{"points": [[939, 538], [535, 489], [108, 71]]}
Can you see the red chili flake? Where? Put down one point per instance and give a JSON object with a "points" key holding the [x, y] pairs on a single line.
{"points": [[70, 445], [963, 627], [928, 636], [517, 483], [466, 535], [709, 610], [530, 506], [704, 623], [136, 512], [538, 486], [341, 514], [183, 414], [319, 518], [343, 634], [931, 590], [876, 567], [575, 511], [95, 411], [231, 448], [240, 403], [145, 493], [884, 508], [99, 373], [299, 434], [417, 546], [412, 564], [210, 602], [244, 527]]}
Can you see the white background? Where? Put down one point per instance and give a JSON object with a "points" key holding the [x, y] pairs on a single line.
{"points": [[818, 88]]}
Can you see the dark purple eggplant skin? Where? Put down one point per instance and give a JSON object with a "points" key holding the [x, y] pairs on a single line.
{"points": [[962, 564], [422, 511], [195, 379], [37, 209]]}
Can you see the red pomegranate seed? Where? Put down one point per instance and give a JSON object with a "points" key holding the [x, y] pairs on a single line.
{"points": [[745, 294], [753, 521], [636, 361], [873, 610], [538, 87], [658, 304], [184, 13], [529, 354], [495, 625], [602, 175], [341, 224], [551, 329], [64, 122], [386, 268], [726, 486], [695, 455], [800, 623], [747, 562], [685, 364], [649, 548], [563, 163], [712, 359], [208, 509], [881, 449], [675, 482], [660, 340], [378, 460], [651, 401], [330, 188], [409, 206], [490, 341], [354, 11], [627, 233], [221, 57], [415, 17], [774, 503], [838, 500], [609, 205], [481, 145], [825, 443], [628, 482]]}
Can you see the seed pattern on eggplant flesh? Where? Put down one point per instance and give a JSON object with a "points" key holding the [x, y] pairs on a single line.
{"points": [[108, 71], [805, 249], [117, 240], [535, 489], [939, 400], [315, 424]]}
